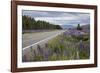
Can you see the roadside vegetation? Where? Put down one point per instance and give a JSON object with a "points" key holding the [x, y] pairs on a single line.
{"points": [[73, 44]]}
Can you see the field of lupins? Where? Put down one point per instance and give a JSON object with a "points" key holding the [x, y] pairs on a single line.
{"points": [[70, 45]]}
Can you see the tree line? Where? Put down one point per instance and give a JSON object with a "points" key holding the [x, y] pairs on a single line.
{"points": [[29, 23]]}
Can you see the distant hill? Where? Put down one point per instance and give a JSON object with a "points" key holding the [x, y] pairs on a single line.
{"points": [[86, 26], [67, 26]]}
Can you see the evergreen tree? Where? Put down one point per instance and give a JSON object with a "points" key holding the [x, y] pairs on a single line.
{"points": [[79, 27], [29, 23]]}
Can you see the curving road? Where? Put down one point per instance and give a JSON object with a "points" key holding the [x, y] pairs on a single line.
{"points": [[30, 39]]}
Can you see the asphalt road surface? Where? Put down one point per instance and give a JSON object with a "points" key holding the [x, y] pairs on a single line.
{"points": [[29, 39]]}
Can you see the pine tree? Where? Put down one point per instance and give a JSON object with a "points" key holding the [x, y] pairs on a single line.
{"points": [[79, 27]]}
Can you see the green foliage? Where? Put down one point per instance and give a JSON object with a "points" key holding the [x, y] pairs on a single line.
{"points": [[83, 55], [53, 57], [63, 48], [38, 58], [70, 45], [56, 45], [29, 23], [78, 38]]}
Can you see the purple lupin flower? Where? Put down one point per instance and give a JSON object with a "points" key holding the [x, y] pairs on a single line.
{"points": [[66, 53], [50, 52], [46, 45], [40, 50], [81, 46], [34, 53], [46, 55]]}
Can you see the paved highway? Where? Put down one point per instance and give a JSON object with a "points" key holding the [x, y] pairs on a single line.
{"points": [[29, 39]]}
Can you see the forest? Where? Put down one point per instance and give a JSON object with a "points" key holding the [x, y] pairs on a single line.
{"points": [[29, 23]]}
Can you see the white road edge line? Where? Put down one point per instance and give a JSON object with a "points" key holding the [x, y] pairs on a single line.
{"points": [[42, 40]]}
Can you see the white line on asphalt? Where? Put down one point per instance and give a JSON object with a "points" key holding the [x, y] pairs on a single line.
{"points": [[41, 41]]}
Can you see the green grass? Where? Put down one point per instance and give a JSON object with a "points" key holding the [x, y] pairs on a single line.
{"points": [[70, 44], [65, 48]]}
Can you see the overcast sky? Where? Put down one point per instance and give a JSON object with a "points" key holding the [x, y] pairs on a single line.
{"points": [[59, 18]]}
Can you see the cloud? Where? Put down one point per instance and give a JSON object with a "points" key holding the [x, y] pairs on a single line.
{"points": [[55, 18], [60, 18]]}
